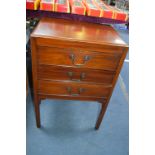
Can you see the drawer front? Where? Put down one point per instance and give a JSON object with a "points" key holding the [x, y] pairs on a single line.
{"points": [[72, 89], [78, 58], [50, 72]]}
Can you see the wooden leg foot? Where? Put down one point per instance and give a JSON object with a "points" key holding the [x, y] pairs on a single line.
{"points": [[38, 125], [100, 117], [37, 112]]}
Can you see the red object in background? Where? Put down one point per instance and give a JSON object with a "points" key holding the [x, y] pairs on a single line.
{"points": [[118, 14], [32, 4], [106, 12], [121, 16], [96, 8], [62, 6], [77, 7], [47, 5], [92, 8]]}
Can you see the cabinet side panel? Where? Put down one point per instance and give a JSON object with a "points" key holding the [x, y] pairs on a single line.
{"points": [[125, 50], [34, 66]]}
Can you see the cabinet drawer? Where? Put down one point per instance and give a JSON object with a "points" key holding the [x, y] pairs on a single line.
{"points": [[78, 58], [50, 72], [72, 89]]}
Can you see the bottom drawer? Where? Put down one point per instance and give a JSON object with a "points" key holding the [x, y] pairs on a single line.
{"points": [[72, 89]]}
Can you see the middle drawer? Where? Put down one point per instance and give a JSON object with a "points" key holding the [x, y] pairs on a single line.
{"points": [[50, 72]]}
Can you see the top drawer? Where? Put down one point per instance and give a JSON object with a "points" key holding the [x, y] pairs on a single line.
{"points": [[78, 58]]}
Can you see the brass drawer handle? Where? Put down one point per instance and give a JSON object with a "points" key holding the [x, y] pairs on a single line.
{"points": [[85, 59], [82, 76], [80, 90]]}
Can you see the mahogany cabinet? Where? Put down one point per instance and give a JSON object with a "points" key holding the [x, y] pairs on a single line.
{"points": [[74, 60]]}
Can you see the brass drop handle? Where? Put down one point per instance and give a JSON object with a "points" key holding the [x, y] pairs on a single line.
{"points": [[70, 74], [82, 76], [69, 90], [80, 90], [85, 59]]}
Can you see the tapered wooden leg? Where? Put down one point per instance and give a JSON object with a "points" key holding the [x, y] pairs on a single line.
{"points": [[100, 117], [37, 111]]}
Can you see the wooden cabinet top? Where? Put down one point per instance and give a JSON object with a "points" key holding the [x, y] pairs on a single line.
{"points": [[69, 30]]}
